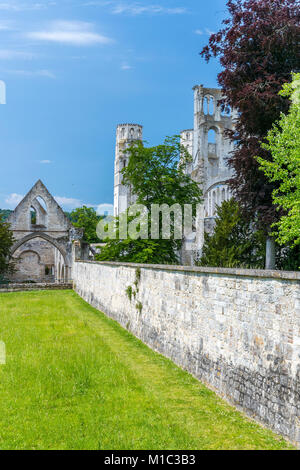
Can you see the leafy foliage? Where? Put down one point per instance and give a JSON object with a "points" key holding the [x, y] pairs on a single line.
{"points": [[284, 168], [288, 257], [5, 213], [233, 244], [6, 243], [157, 175], [258, 48], [129, 292], [139, 251], [87, 219]]}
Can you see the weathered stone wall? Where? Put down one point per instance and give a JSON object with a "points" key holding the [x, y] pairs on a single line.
{"points": [[126, 135], [43, 238], [210, 148], [236, 330], [33, 287], [32, 259]]}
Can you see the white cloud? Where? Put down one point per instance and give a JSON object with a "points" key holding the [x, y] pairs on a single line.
{"points": [[17, 6], [45, 162], [13, 200], [33, 73], [202, 32], [126, 67], [137, 8], [105, 209], [76, 33], [8, 54], [46, 73], [69, 202], [6, 26], [73, 203]]}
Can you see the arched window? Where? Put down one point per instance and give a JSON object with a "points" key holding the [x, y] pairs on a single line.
{"points": [[223, 195], [211, 137], [42, 202], [226, 112], [38, 213], [214, 202], [131, 132], [209, 105], [33, 216], [122, 132]]}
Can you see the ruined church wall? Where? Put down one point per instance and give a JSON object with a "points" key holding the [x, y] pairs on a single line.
{"points": [[236, 330], [32, 259]]}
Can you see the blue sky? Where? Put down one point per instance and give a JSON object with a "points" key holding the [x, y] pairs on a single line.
{"points": [[74, 69]]}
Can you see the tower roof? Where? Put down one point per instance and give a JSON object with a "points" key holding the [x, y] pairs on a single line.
{"points": [[129, 124]]}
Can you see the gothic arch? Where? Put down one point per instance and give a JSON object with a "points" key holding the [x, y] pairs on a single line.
{"points": [[209, 105], [212, 136], [44, 236], [31, 251], [39, 206], [215, 128], [215, 185], [215, 196]]}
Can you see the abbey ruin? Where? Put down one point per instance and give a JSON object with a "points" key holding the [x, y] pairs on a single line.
{"points": [[44, 238], [209, 148], [236, 330], [44, 235]]}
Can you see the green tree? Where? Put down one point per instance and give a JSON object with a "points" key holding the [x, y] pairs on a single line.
{"points": [[284, 167], [6, 243], [288, 257], [234, 243], [139, 251], [258, 48], [87, 219], [156, 175], [5, 213]]}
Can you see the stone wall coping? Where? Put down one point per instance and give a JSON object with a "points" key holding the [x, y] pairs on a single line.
{"points": [[17, 287], [256, 273]]}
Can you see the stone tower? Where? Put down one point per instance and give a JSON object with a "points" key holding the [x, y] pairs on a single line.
{"points": [[210, 148], [126, 135]]}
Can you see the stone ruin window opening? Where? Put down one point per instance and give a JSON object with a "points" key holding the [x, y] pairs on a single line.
{"points": [[212, 136], [38, 213], [212, 152], [42, 202], [209, 105], [226, 112], [214, 199], [131, 133], [223, 197], [123, 132], [33, 216], [49, 270]]}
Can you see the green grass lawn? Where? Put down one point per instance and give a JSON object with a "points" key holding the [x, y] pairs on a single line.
{"points": [[75, 379]]}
